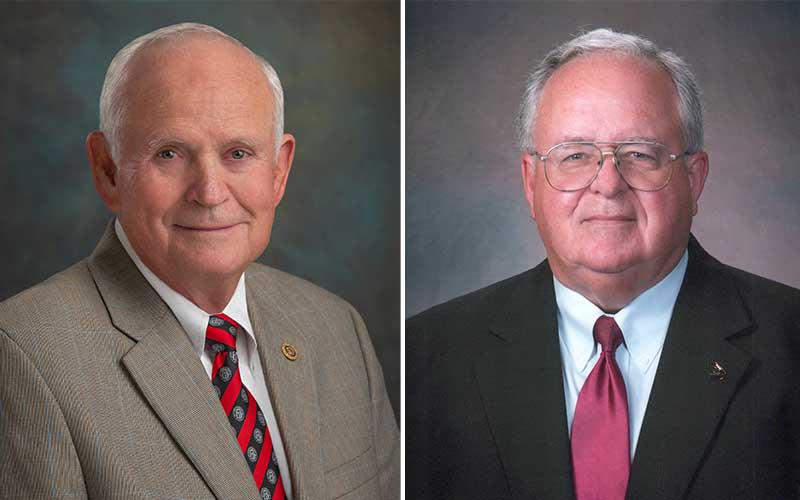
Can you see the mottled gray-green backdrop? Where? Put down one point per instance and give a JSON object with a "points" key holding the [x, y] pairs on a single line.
{"points": [[467, 223], [338, 225]]}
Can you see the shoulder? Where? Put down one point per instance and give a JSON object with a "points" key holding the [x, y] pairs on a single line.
{"points": [[759, 295], [772, 309], [43, 327], [62, 301], [463, 326], [764, 293], [478, 308], [284, 288]]}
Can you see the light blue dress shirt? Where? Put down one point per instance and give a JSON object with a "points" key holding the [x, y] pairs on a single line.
{"points": [[644, 324]]}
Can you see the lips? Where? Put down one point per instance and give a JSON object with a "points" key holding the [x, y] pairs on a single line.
{"points": [[609, 219], [205, 228]]}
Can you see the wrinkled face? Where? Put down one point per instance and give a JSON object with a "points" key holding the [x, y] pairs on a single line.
{"points": [[198, 179], [608, 229]]}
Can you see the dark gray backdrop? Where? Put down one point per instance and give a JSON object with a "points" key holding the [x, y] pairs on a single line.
{"points": [[338, 224], [467, 222]]}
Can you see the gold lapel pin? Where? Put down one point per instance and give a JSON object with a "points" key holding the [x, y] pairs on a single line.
{"points": [[289, 352], [717, 371]]}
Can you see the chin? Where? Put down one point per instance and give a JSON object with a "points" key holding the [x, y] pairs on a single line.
{"points": [[608, 262], [215, 264], [608, 267]]}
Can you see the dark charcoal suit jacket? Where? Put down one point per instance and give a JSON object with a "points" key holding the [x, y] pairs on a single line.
{"points": [[485, 410]]}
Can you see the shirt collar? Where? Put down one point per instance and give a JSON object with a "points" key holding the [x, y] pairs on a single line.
{"points": [[193, 319], [644, 321]]}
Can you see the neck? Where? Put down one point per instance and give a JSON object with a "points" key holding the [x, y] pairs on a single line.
{"points": [[211, 292], [208, 294]]}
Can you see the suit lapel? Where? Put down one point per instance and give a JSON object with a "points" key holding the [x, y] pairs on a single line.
{"points": [[167, 371], [522, 388], [687, 402], [292, 389], [521, 384]]}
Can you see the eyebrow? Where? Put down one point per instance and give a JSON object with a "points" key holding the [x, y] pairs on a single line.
{"points": [[161, 141], [627, 139], [244, 141]]}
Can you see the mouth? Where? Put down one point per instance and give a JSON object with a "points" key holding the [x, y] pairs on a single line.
{"points": [[609, 219], [205, 228]]}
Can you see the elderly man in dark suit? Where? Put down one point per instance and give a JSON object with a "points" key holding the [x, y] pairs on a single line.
{"points": [[629, 364], [168, 365]]}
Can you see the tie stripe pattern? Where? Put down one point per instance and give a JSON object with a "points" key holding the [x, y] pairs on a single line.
{"points": [[245, 416]]}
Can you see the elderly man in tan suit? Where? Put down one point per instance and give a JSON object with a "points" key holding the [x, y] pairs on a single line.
{"points": [[168, 365]]}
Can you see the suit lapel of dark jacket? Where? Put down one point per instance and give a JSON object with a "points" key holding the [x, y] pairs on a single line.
{"points": [[521, 385], [687, 403], [168, 372]]}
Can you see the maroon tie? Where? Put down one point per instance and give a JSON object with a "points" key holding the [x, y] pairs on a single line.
{"points": [[600, 439], [244, 414]]}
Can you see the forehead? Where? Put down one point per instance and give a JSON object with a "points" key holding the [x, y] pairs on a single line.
{"points": [[608, 96], [199, 75]]}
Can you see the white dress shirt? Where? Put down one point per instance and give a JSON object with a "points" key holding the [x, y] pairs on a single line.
{"points": [[644, 324], [194, 322]]}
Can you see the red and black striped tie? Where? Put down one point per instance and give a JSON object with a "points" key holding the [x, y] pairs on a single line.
{"points": [[244, 414]]}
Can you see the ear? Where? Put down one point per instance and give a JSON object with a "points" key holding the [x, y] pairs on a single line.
{"points": [[528, 170], [104, 170], [282, 166], [697, 168]]}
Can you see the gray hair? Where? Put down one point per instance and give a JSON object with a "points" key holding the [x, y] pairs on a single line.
{"points": [[690, 108], [113, 104]]}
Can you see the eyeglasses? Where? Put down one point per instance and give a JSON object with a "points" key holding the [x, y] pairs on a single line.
{"points": [[644, 166]]}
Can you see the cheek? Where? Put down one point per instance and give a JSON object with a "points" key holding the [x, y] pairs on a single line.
{"points": [[556, 215], [148, 197], [559, 208], [255, 195], [665, 217]]}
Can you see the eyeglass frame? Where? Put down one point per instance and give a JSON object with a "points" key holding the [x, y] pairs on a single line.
{"points": [[613, 154]]}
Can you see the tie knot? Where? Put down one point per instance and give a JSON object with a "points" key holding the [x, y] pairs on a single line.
{"points": [[221, 333], [607, 333]]}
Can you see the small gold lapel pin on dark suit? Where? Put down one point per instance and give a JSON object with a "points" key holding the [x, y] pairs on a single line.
{"points": [[717, 371]]}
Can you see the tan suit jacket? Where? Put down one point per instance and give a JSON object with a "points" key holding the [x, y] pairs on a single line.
{"points": [[102, 395]]}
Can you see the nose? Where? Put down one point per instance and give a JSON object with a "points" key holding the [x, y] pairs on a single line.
{"points": [[208, 186], [608, 182]]}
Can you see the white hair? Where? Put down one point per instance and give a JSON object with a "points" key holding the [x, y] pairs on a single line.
{"points": [[690, 108], [113, 103]]}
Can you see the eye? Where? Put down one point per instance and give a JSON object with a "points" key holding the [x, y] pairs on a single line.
{"points": [[239, 154], [638, 155], [167, 154]]}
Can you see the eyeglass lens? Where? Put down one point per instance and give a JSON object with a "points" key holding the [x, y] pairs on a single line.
{"points": [[643, 166]]}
